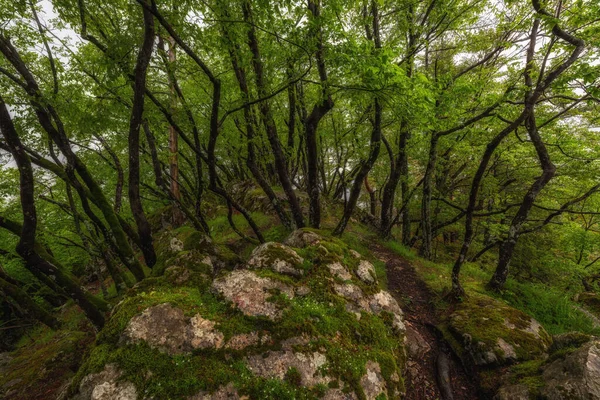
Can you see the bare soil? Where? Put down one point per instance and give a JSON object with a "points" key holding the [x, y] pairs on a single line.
{"points": [[420, 315]]}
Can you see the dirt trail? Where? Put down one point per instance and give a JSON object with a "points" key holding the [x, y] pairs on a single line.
{"points": [[423, 346]]}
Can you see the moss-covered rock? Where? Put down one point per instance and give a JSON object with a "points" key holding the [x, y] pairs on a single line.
{"points": [[256, 334], [576, 376], [591, 301], [487, 332], [278, 258]]}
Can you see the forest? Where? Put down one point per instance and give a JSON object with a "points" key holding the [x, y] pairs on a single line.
{"points": [[440, 156]]}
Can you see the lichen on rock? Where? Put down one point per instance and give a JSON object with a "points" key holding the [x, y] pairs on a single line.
{"points": [[250, 293], [278, 258], [366, 272], [106, 385], [165, 328], [255, 333], [489, 332], [577, 376], [301, 238]]}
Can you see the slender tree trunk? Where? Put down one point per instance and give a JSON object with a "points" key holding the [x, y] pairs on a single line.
{"points": [[320, 109], [427, 233], [52, 124], [548, 171], [135, 122], [26, 247], [271, 128], [375, 142], [372, 198], [363, 172], [27, 304]]}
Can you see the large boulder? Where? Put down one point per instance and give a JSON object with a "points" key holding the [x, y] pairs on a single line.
{"points": [[258, 332], [576, 376], [488, 332]]}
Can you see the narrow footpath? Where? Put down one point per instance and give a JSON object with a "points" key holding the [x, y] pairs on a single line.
{"points": [[429, 358]]}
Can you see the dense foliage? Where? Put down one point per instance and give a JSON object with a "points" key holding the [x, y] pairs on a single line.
{"points": [[458, 127]]}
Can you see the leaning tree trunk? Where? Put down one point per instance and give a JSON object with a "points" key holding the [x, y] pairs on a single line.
{"points": [[363, 172], [135, 122], [26, 246], [269, 122], [320, 109], [548, 171], [30, 307]]}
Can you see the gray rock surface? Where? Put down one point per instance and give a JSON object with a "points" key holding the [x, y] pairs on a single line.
{"points": [[372, 382], [166, 328], [276, 257], [577, 376], [250, 292], [513, 392], [301, 238], [338, 270], [106, 385], [366, 272]]}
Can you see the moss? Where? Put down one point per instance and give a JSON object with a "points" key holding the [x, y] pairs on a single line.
{"points": [[570, 339], [40, 366], [486, 320], [293, 377], [347, 342]]}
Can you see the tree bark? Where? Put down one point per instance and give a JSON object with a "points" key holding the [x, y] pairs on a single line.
{"points": [[320, 109], [135, 122], [269, 122], [26, 247]]}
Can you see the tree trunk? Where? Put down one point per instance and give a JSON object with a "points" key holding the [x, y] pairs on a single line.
{"points": [[363, 172], [427, 233], [27, 304], [26, 247], [135, 122], [269, 122]]}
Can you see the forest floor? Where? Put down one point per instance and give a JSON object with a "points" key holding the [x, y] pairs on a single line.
{"points": [[421, 318]]}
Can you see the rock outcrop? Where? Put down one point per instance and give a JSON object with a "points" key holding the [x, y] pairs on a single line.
{"points": [[488, 332], [577, 376], [306, 323]]}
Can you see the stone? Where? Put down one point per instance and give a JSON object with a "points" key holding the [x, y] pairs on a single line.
{"points": [[160, 326], [366, 272], [165, 328], [276, 257], [106, 385], [243, 340], [489, 332], [301, 238], [384, 301], [577, 376], [381, 301], [353, 293], [372, 382], [507, 349], [227, 392], [354, 253], [339, 271], [276, 364], [203, 334], [416, 345], [513, 392], [338, 394], [175, 245], [250, 293]]}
